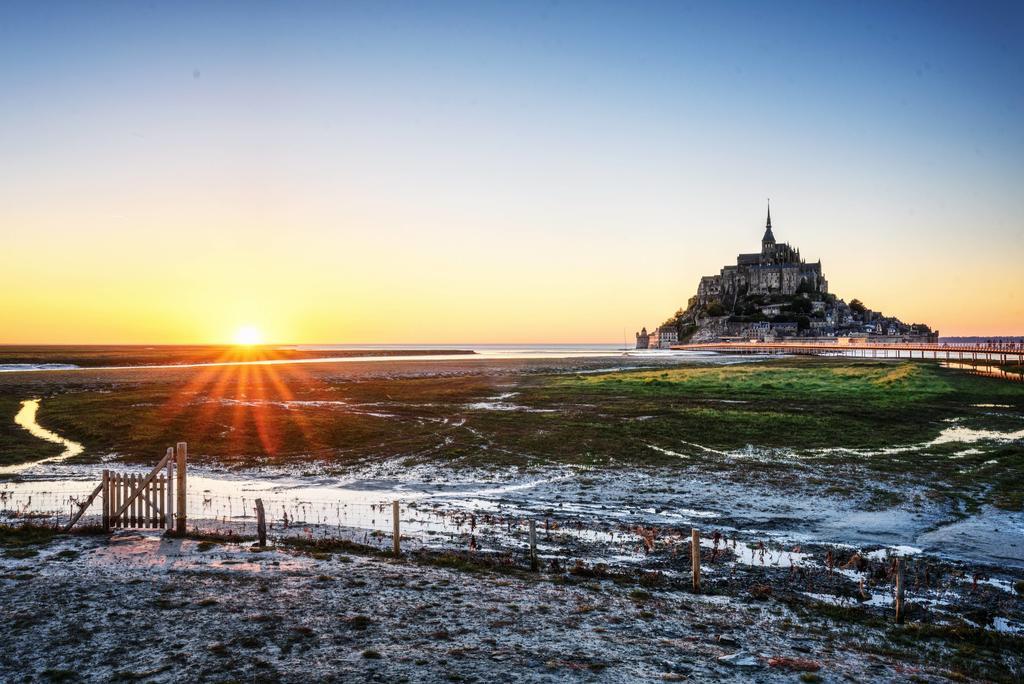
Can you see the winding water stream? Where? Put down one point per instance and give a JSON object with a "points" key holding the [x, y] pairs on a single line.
{"points": [[26, 418]]}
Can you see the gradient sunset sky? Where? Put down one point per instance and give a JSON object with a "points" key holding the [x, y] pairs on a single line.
{"points": [[497, 172]]}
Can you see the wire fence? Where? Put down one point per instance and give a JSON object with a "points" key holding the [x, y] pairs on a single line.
{"points": [[46, 505], [581, 544], [424, 522]]}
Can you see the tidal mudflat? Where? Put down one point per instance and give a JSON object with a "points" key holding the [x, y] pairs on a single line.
{"points": [[806, 476]]}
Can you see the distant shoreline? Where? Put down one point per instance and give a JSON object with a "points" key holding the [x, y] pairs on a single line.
{"points": [[103, 356]]}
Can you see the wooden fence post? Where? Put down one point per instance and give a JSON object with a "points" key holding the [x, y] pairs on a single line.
{"points": [[395, 531], [695, 558], [261, 523], [169, 511], [899, 592], [533, 544], [181, 454], [106, 500]]}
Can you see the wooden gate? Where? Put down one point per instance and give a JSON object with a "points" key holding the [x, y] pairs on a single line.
{"points": [[144, 501], [132, 501]]}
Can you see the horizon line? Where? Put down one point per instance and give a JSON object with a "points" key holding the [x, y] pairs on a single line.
{"points": [[369, 344]]}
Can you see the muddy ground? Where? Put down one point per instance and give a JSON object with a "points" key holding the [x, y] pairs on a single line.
{"points": [[139, 607]]}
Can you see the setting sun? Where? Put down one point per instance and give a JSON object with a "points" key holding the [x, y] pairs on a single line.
{"points": [[248, 335]]}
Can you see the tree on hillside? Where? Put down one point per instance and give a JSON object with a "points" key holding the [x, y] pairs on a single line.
{"points": [[858, 306], [801, 305], [714, 308], [674, 320]]}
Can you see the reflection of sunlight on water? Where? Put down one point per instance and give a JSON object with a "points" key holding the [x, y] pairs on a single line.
{"points": [[988, 371], [26, 419]]}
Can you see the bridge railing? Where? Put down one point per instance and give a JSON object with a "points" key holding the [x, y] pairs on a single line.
{"points": [[1012, 347]]}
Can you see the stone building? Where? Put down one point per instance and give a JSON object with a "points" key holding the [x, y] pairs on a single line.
{"points": [[667, 336], [776, 269], [643, 340]]}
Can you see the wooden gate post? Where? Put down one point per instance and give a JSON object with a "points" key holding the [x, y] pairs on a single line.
{"points": [[395, 531], [695, 558], [181, 454], [261, 522], [169, 510]]}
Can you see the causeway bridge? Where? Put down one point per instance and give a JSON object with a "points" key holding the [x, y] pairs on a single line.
{"points": [[999, 353]]}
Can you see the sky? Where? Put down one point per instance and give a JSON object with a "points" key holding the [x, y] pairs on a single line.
{"points": [[348, 172]]}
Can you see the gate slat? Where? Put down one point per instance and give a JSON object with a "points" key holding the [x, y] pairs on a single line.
{"points": [[135, 501], [120, 497], [155, 502], [110, 500], [147, 505], [160, 501]]}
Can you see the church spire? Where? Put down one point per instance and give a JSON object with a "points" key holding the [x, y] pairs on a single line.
{"points": [[768, 238]]}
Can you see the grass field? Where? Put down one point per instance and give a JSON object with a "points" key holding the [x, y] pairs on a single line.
{"points": [[894, 420], [807, 403]]}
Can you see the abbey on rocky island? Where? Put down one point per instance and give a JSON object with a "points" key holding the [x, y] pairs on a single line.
{"points": [[774, 294], [776, 269]]}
